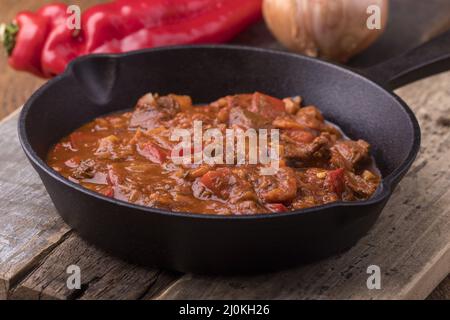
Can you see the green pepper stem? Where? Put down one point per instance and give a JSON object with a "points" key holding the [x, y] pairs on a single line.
{"points": [[8, 34]]}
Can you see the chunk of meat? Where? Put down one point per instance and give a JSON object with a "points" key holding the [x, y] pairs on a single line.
{"points": [[349, 154], [107, 147], [301, 136], [306, 152], [362, 187], [85, 170], [287, 122], [318, 186], [310, 117], [281, 187], [116, 180], [229, 185], [246, 119], [239, 100], [110, 148], [152, 111], [248, 207]]}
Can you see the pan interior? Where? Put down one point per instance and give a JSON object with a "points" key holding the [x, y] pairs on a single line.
{"points": [[97, 85]]}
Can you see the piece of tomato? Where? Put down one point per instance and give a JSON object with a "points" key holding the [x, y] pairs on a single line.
{"points": [[217, 181], [335, 180], [108, 192], [152, 152], [267, 106], [276, 207]]}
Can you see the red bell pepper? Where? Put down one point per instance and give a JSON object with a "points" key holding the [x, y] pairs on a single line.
{"points": [[152, 152], [266, 105], [44, 45], [276, 207], [335, 181], [25, 38]]}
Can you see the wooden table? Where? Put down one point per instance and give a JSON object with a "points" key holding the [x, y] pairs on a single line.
{"points": [[410, 242]]}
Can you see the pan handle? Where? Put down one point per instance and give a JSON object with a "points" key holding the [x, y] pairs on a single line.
{"points": [[430, 58]]}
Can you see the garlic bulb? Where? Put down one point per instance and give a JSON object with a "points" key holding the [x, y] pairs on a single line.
{"points": [[331, 29]]}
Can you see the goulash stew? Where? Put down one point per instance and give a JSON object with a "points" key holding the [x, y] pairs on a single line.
{"points": [[129, 156]]}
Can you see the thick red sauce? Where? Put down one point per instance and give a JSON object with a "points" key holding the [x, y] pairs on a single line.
{"points": [[127, 156]]}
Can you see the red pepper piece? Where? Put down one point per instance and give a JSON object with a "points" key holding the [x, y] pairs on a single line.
{"points": [[266, 105], [276, 207], [108, 192], [126, 25], [152, 152], [32, 33], [217, 181], [29, 42], [55, 14], [61, 47], [219, 24], [335, 181], [116, 20]]}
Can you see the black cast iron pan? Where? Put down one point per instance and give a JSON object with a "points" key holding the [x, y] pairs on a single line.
{"points": [[361, 105]]}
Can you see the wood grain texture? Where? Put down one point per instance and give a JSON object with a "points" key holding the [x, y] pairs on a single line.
{"points": [[410, 242], [29, 225], [102, 276], [442, 292]]}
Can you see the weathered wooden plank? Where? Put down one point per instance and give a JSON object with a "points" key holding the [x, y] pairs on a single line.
{"points": [[442, 292], [102, 276], [410, 242], [29, 225]]}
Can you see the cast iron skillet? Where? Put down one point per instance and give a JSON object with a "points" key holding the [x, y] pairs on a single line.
{"points": [[95, 85]]}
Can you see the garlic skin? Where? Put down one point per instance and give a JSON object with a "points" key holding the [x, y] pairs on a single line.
{"points": [[331, 29]]}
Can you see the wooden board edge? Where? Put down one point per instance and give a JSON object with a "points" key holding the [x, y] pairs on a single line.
{"points": [[429, 278], [11, 115]]}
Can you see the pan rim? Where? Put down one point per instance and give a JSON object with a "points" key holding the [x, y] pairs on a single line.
{"points": [[383, 193]]}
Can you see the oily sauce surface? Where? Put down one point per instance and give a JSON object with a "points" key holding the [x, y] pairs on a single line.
{"points": [[127, 156]]}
